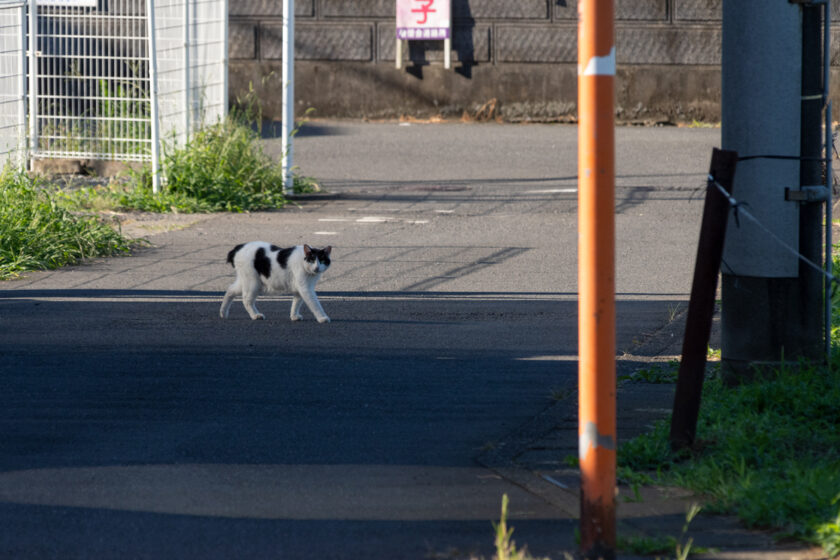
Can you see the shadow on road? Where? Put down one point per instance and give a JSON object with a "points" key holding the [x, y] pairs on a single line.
{"points": [[143, 416]]}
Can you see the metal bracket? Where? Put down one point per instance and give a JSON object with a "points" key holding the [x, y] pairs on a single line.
{"points": [[818, 193]]}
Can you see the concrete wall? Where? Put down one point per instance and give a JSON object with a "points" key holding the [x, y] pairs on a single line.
{"points": [[512, 58]]}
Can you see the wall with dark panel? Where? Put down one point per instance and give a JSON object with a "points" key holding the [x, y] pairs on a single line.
{"points": [[517, 56]]}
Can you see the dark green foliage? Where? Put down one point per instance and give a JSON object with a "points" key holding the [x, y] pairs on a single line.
{"points": [[224, 167], [768, 451]]}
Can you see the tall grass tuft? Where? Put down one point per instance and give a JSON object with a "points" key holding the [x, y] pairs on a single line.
{"points": [[221, 168], [36, 232], [224, 166], [505, 547]]}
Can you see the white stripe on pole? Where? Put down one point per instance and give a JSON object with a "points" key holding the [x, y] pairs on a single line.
{"points": [[288, 78]]}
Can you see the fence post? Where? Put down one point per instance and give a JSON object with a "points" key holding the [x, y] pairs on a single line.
{"points": [[829, 175], [288, 77], [23, 148], [153, 94], [33, 76], [188, 97], [225, 59], [701, 306], [829, 247]]}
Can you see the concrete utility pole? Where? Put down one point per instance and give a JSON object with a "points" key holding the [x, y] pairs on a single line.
{"points": [[771, 308]]}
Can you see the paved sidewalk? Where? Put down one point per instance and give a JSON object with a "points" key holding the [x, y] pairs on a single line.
{"points": [[533, 458]]}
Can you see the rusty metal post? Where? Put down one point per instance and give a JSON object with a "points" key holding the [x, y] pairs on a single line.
{"points": [[701, 306], [596, 276]]}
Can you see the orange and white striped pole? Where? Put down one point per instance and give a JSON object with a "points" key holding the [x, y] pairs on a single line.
{"points": [[596, 277]]}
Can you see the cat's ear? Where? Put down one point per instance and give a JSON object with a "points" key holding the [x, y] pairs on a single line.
{"points": [[306, 250], [327, 249]]}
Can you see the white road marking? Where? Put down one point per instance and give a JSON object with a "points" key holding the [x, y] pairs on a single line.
{"points": [[551, 191], [549, 358]]}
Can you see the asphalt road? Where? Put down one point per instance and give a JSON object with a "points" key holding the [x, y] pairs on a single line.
{"points": [[134, 423]]}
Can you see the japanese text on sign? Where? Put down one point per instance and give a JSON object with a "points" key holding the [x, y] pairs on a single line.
{"points": [[423, 19]]}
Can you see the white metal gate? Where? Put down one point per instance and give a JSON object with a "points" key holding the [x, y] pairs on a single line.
{"points": [[97, 65], [12, 81], [89, 91], [192, 76]]}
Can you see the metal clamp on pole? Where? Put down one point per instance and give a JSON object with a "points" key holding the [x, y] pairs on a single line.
{"points": [[817, 193]]}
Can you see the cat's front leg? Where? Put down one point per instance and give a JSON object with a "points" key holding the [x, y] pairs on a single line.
{"points": [[295, 313], [314, 305]]}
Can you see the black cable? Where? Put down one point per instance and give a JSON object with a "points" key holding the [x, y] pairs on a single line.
{"points": [[770, 156]]}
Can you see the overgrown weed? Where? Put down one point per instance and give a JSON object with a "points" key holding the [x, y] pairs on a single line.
{"points": [[505, 546], [682, 546], [221, 168], [38, 233]]}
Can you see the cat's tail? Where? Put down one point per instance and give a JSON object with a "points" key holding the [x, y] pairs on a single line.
{"points": [[233, 252]]}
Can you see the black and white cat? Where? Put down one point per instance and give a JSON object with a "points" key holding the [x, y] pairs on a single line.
{"points": [[262, 267]]}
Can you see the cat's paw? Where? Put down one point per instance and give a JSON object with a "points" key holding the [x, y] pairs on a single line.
{"points": [[257, 316], [297, 317], [324, 319]]}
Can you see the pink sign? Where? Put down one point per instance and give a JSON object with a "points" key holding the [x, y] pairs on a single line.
{"points": [[423, 19]]}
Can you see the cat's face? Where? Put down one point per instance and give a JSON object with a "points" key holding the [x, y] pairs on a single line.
{"points": [[316, 260]]}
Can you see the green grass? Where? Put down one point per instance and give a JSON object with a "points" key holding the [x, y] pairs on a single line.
{"points": [[656, 373], [646, 546], [37, 232], [769, 451], [222, 168]]}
